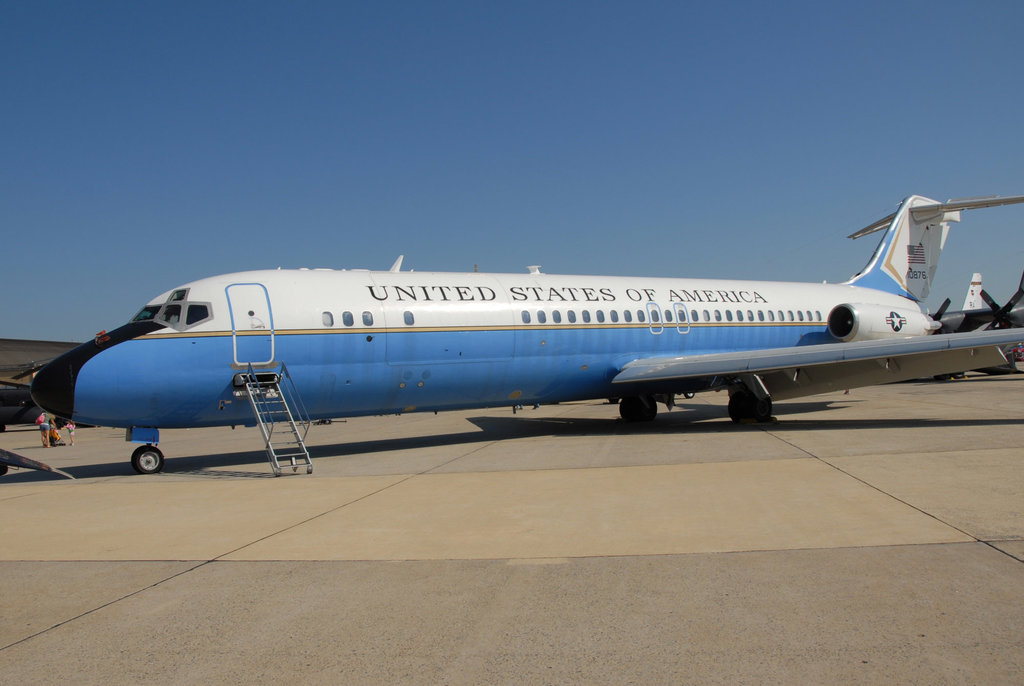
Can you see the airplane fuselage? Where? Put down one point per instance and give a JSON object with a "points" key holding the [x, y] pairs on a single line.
{"points": [[360, 342]]}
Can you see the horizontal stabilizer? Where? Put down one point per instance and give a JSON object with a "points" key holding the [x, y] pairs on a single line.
{"points": [[924, 212]]}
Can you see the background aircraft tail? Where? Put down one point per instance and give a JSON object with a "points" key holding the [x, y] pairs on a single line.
{"points": [[907, 257], [973, 300]]}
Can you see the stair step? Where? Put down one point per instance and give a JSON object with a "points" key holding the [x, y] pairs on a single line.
{"points": [[271, 408]]}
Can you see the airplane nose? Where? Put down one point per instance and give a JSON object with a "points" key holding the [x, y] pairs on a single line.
{"points": [[53, 387]]}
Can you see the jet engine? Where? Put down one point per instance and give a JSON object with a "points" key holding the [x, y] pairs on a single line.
{"points": [[863, 322]]}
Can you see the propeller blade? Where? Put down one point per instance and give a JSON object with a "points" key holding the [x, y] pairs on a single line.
{"points": [[1012, 302], [942, 310], [993, 305]]}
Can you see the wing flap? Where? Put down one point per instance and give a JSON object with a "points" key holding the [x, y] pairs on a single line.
{"points": [[786, 384], [805, 370]]}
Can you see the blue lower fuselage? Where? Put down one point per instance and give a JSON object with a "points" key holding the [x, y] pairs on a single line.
{"points": [[351, 373]]}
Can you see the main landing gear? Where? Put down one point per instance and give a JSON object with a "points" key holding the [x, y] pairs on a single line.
{"points": [[644, 408], [147, 459], [641, 408], [749, 400], [745, 406]]}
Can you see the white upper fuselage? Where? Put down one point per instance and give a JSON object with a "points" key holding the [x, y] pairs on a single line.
{"points": [[314, 302]]}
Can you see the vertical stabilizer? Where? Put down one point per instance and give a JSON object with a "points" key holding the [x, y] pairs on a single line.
{"points": [[908, 255], [973, 300]]}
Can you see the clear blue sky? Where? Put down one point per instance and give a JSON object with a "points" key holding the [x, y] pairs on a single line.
{"points": [[147, 144]]}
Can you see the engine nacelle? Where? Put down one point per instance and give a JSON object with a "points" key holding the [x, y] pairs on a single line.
{"points": [[861, 322]]}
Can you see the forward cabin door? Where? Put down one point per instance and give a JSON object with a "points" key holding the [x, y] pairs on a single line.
{"points": [[252, 324]]}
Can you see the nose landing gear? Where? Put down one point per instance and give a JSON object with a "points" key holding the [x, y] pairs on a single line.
{"points": [[147, 459]]}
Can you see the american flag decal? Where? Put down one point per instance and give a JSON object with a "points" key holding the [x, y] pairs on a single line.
{"points": [[915, 254]]}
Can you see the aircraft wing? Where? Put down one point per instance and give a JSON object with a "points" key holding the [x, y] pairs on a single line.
{"points": [[16, 460], [810, 369], [19, 359]]}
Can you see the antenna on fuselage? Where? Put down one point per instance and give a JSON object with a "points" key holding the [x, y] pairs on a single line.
{"points": [[397, 266], [534, 268]]}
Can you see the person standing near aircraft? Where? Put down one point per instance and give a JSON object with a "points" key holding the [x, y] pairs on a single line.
{"points": [[70, 426], [43, 422]]}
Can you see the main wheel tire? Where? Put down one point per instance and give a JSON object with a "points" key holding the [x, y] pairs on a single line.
{"points": [[147, 459], [637, 409], [741, 406], [3, 469]]}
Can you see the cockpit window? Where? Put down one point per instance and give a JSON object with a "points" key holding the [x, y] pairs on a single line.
{"points": [[171, 314], [146, 313], [177, 312], [197, 312]]}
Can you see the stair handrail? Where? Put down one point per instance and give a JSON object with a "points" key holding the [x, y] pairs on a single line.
{"points": [[260, 405], [299, 414]]}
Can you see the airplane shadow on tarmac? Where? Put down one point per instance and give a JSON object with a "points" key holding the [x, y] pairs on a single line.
{"points": [[689, 419]]}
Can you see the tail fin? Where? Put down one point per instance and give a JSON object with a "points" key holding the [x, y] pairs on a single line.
{"points": [[908, 255], [973, 300]]}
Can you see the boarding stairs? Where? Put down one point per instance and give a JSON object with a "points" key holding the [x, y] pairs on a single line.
{"points": [[281, 416]]}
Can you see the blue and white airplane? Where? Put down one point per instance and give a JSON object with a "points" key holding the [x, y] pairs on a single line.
{"points": [[361, 342]]}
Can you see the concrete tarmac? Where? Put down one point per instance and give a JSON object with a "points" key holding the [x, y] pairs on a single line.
{"points": [[875, 537]]}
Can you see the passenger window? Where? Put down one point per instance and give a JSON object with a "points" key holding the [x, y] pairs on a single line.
{"points": [[707, 316], [600, 315], [817, 315], [541, 317], [572, 316], [556, 317], [615, 316], [771, 315], [586, 316], [800, 315], [409, 319], [739, 315], [327, 318], [627, 315], [655, 317], [526, 317], [750, 315], [347, 319], [728, 315], [668, 316], [809, 317], [694, 317], [718, 315], [760, 315], [789, 315], [368, 318], [640, 317]]}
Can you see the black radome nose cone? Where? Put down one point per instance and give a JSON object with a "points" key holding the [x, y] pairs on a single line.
{"points": [[53, 388]]}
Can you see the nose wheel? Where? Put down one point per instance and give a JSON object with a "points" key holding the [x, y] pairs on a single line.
{"points": [[147, 459]]}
